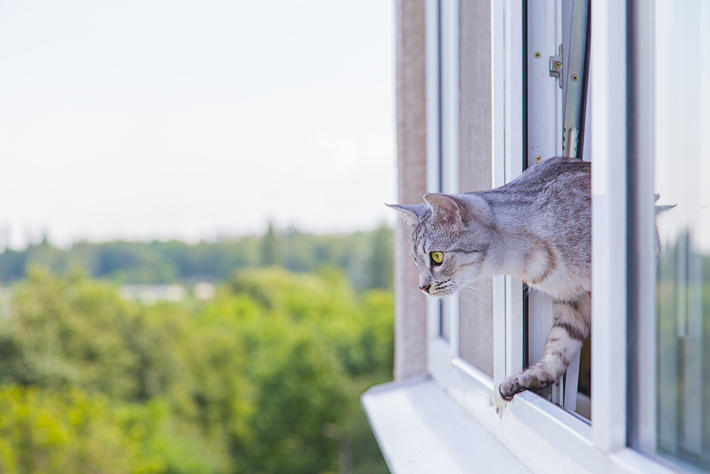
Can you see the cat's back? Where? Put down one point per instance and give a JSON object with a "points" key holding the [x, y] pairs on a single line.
{"points": [[555, 175], [560, 186], [558, 198], [561, 214], [551, 203]]}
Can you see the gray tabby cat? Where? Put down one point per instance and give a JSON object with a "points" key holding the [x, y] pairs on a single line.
{"points": [[536, 228]]}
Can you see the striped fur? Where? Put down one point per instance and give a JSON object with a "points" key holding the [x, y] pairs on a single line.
{"points": [[536, 228]]}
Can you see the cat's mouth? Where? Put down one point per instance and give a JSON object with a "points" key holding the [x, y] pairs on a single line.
{"points": [[443, 289]]}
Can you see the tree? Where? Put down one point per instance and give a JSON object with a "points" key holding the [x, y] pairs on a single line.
{"points": [[380, 264], [255, 381], [68, 431], [268, 247], [72, 331]]}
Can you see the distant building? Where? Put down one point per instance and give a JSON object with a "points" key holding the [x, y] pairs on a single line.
{"points": [[204, 291], [149, 294]]}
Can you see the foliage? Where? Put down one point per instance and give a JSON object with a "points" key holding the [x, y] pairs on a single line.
{"points": [[380, 262], [73, 331], [268, 247], [366, 258], [42, 431], [265, 378]]}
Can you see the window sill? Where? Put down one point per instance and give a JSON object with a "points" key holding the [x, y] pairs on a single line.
{"points": [[421, 430]]}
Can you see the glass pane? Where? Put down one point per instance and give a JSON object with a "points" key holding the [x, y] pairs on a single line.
{"points": [[682, 178], [476, 325], [444, 321]]}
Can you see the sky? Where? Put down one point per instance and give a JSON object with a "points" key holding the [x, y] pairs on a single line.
{"points": [[158, 119]]}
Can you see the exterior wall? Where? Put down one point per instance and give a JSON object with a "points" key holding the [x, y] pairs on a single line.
{"points": [[410, 308]]}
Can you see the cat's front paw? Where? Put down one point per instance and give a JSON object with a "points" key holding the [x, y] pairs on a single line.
{"points": [[510, 387]]}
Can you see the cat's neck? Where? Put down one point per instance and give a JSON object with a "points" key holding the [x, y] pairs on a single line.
{"points": [[516, 249]]}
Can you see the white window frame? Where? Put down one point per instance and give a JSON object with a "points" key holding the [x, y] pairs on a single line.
{"points": [[546, 437], [545, 109]]}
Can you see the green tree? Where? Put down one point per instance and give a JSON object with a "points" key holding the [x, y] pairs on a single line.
{"points": [[269, 247], [255, 381], [48, 432], [354, 329], [173, 261], [75, 331], [300, 388], [380, 265]]}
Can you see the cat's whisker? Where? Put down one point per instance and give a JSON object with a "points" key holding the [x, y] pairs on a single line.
{"points": [[471, 301], [473, 297], [475, 286], [472, 286], [475, 302], [474, 292], [480, 292]]}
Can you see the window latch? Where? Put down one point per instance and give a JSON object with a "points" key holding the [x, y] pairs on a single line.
{"points": [[557, 68]]}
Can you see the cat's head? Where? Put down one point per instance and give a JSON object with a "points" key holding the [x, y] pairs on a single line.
{"points": [[451, 236]]}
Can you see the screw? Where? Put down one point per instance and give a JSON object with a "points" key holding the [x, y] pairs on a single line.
{"points": [[537, 54], [538, 159], [574, 77], [558, 65]]}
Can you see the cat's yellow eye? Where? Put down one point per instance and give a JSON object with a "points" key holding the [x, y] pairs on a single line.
{"points": [[437, 257]]}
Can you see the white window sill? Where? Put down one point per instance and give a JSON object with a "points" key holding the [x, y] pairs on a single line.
{"points": [[420, 430]]}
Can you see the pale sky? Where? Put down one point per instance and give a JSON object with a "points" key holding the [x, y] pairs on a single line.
{"points": [[164, 119]]}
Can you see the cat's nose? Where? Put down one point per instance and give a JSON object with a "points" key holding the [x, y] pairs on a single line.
{"points": [[425, 289]]}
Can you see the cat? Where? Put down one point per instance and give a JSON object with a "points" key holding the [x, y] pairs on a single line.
{"points": [[536, 228]]}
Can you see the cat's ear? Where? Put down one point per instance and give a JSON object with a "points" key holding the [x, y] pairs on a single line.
{"points": [[460, 210], [446, 208], [660, 209], [411, 212]]}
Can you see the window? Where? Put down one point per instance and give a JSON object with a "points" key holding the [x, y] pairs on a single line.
{"points": [[463, 326], [493, 108], [493, 328], [555, 49], [670, 399]]}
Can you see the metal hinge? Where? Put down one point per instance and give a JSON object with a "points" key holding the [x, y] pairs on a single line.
{"points": [[557, 68]]}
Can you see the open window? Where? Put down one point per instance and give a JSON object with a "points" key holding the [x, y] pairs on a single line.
{"points": [[669, 166], [494, 105], [497, 327]]}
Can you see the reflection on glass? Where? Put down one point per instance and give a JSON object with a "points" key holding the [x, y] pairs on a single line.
{"points": [[682, 178]]}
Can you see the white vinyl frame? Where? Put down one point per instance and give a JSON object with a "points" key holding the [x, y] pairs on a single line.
{"points": [[513, 153], [545, 437], [442, 50], [545, 111], [450, 136], [645, 216], [608, 81]]}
